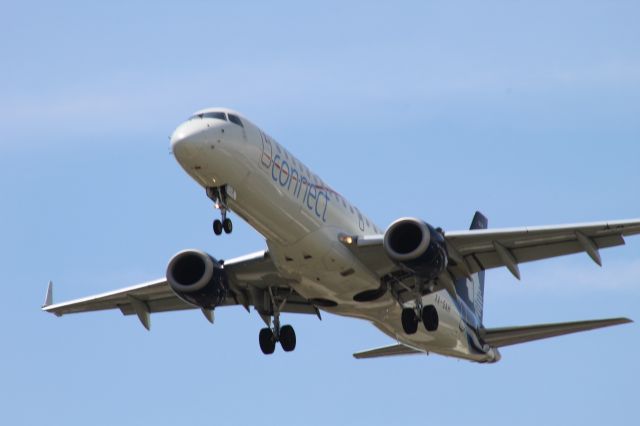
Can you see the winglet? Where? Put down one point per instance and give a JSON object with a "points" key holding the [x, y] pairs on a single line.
{"points": [[48, 300]]}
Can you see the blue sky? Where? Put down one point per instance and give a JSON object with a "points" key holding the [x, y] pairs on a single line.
{"points": [[525, 110]]}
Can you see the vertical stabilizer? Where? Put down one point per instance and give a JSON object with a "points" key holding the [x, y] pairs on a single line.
{"points": [[472, 290]]}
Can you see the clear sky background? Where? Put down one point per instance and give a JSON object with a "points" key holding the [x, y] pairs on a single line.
{"points": [[525, 110]]}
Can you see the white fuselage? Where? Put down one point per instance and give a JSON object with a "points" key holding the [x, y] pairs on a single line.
{"points": [[301, 218]]}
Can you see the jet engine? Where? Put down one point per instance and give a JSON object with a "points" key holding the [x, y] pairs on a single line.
{"points": [[197, 278], [417, 246]]}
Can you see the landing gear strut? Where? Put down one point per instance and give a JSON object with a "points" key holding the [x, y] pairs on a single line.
{"points": [[269, 336], [219, 196]]}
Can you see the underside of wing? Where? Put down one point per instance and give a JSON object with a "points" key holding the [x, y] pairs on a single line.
{"points": [[156, 295], [253, 281], [475, 250], [506, 336]]}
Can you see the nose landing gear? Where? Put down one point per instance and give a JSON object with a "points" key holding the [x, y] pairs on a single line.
{"points": [[225, 225], [219, 196]]}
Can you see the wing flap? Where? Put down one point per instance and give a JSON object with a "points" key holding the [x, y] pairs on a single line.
{"points": [[488, 258], [151, 293], [478, 247], [385, 351], [506, 336]]}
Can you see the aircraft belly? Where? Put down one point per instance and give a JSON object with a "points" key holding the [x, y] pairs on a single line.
{"points": [[317, 264], [450, 339]]}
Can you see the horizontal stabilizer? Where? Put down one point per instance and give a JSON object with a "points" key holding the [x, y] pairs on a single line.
{"points": [[392, 350], [505, 336]]}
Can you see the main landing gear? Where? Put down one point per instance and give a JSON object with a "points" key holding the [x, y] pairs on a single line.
{"points": [[270, 335], [268, 338], [219, 196], [428, 315]]}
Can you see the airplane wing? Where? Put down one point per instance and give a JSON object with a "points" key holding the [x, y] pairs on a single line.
{"points": [[249, 278], [505, 336], [475, 250]]}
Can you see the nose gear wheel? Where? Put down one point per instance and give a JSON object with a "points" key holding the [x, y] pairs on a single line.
{"points": [[219, 196], [217, 227]]}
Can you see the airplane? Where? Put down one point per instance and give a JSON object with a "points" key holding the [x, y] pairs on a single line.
{"points": [[419, 284]]}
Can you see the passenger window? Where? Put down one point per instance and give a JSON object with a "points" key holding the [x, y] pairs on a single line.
{"points": [[235, 119]]}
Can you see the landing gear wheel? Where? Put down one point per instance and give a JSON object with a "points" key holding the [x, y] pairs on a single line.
{"points": [[409, 321], [227, 225], [267, 341], [287, 338], [217, 227], [430, 318]]}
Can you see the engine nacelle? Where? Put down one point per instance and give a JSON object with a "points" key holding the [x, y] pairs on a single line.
{"points": [[417, 246], [197, 278]]}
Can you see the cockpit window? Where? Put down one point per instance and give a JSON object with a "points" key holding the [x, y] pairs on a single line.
{"points": [[218, 115], [235, 119]]}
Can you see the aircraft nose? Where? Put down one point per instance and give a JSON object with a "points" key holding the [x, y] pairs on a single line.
{"points": [[187, 139]]}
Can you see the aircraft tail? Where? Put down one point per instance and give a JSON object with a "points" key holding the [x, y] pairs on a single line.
{"points": [[472, 290]]}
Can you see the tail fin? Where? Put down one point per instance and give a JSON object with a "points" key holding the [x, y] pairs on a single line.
{"points": [[472, 291]]}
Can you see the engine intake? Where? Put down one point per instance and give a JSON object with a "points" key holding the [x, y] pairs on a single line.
{"points": [[197, 278], [417, 246]]}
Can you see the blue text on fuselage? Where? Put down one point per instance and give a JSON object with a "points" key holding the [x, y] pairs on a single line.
{"points": [[313, 197]]}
